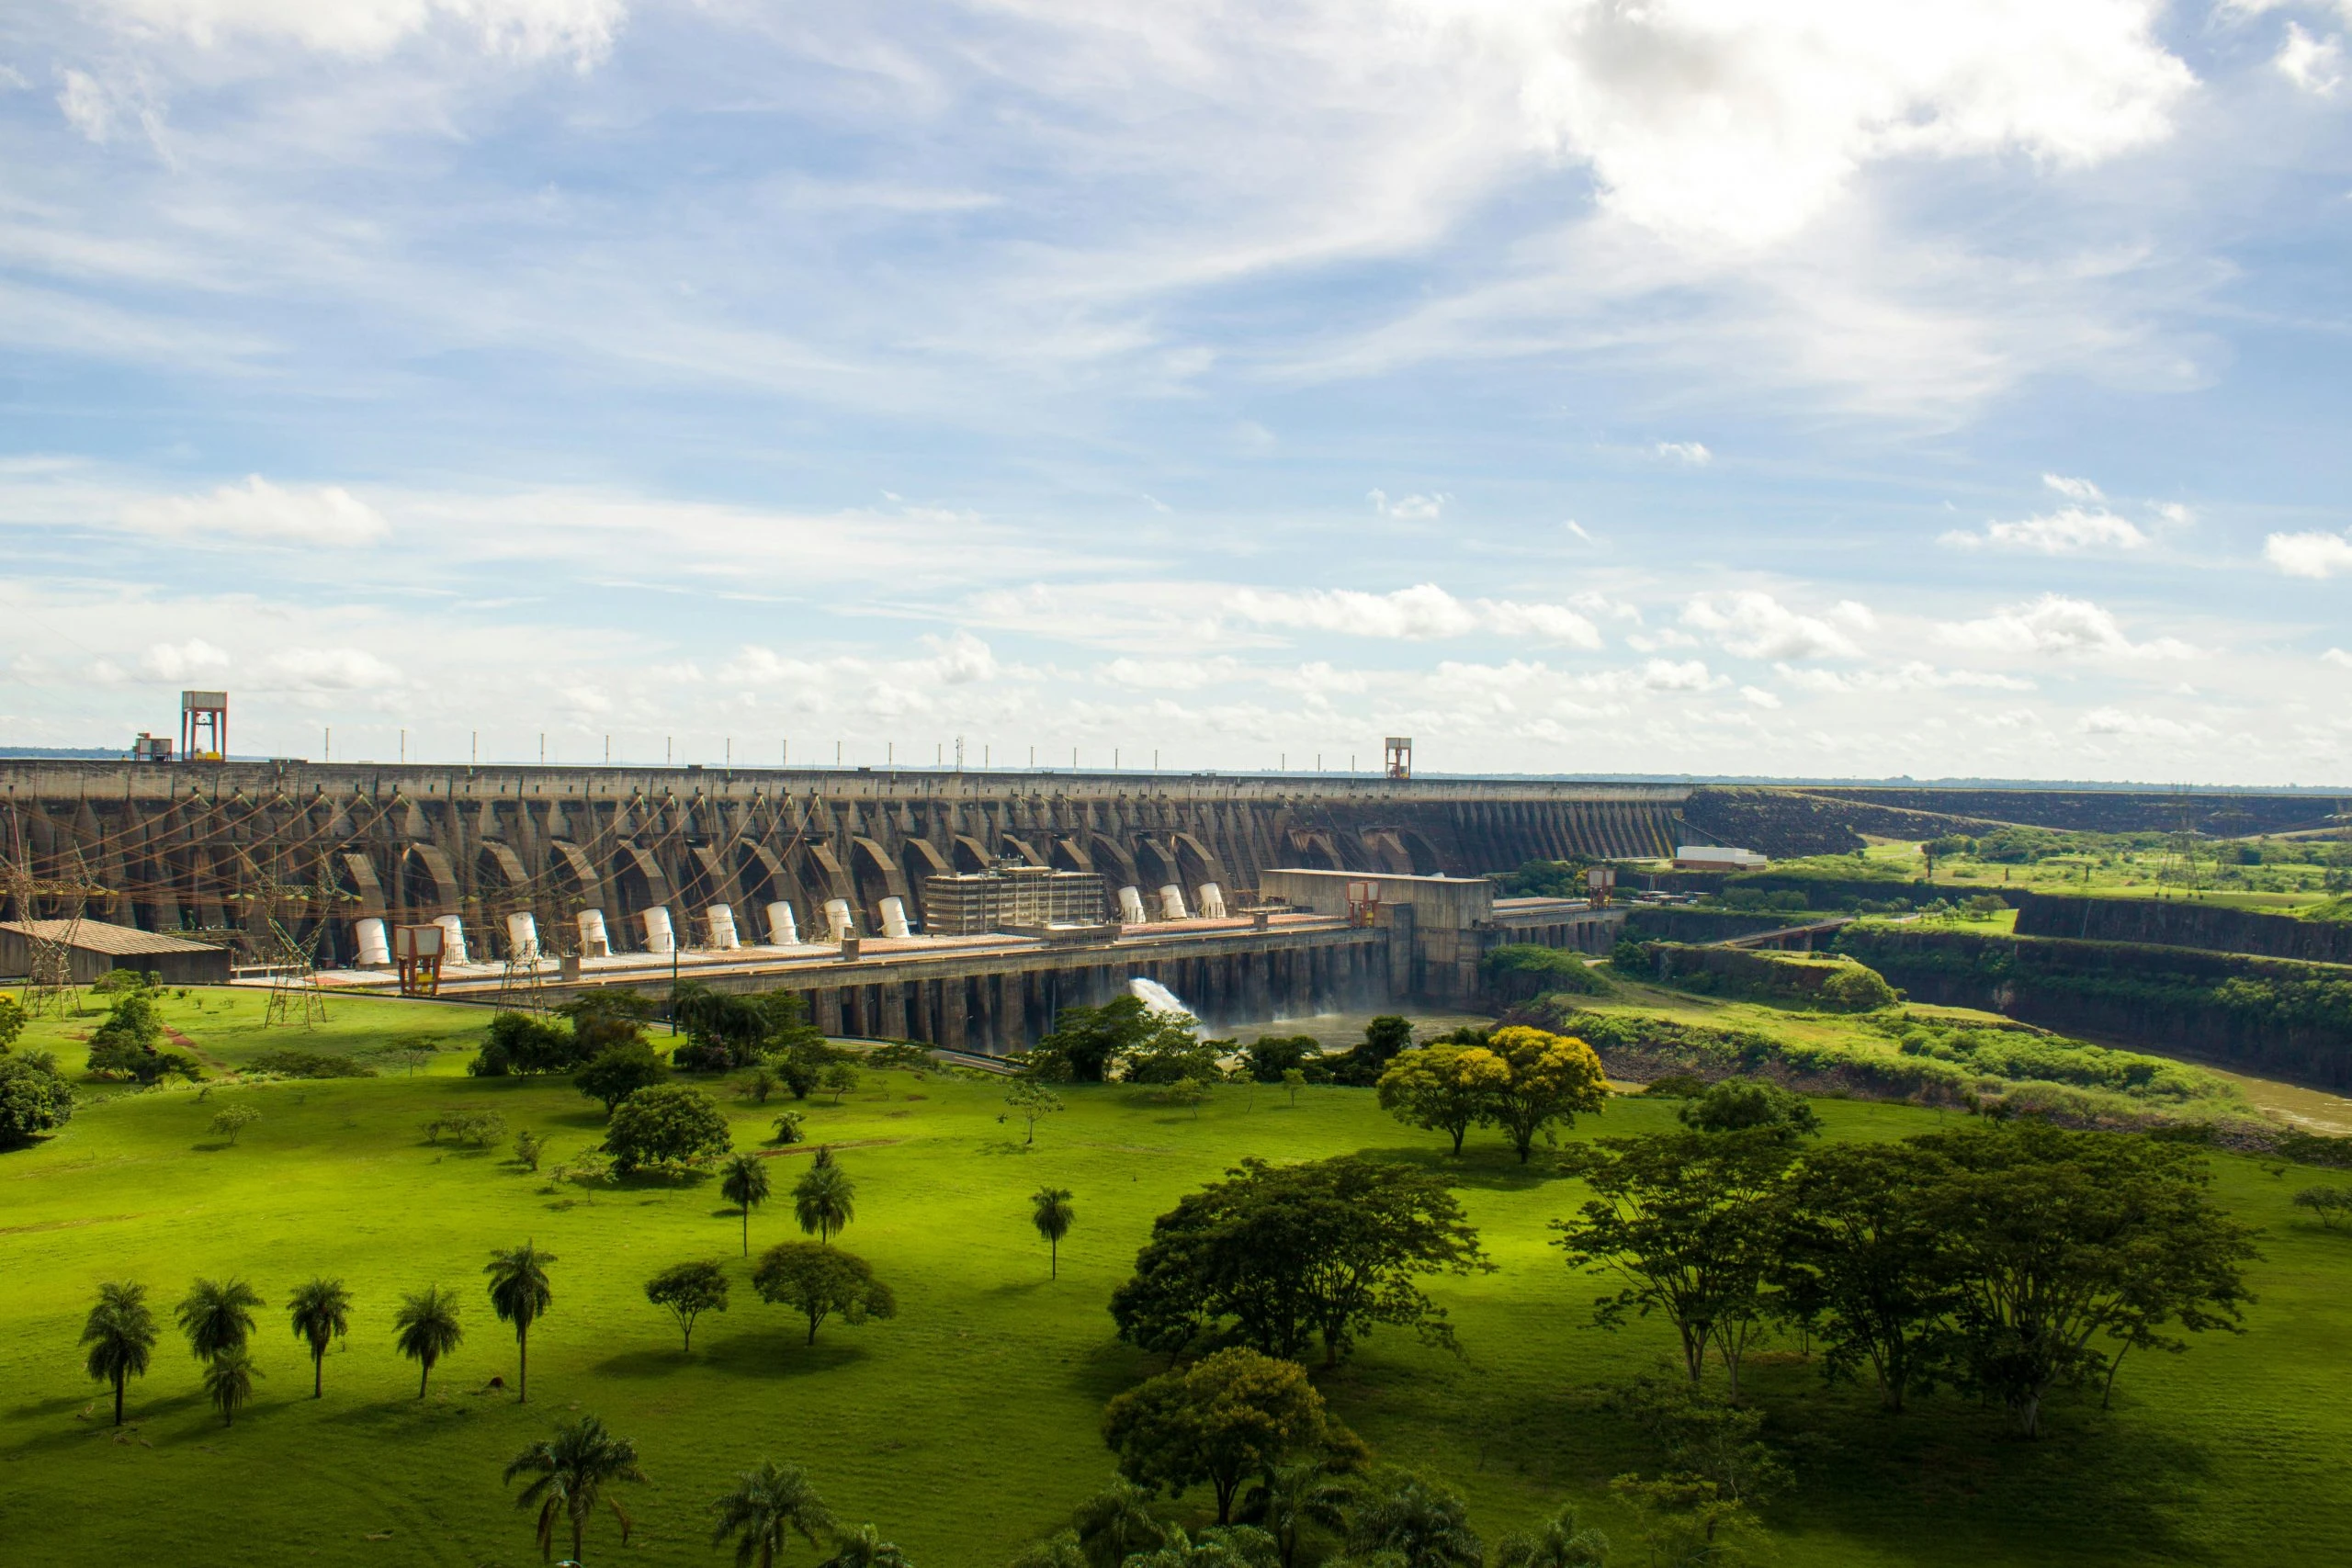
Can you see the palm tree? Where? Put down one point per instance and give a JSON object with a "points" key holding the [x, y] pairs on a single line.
{"points": [[519, 1294], [1292, 1496], [1424, 1526], [121, 1332], [745, 1182], [1117, 1523], [864, 1548], [429, 1329], [1050, 1211], [322, 1312], [824, 1200], [229, 1383], [768, 1507], [217, 1316], [573, 1468], [1557, 1544]]}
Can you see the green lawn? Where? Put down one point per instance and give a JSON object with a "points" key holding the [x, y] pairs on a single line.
{"points": [[968, 1424]]}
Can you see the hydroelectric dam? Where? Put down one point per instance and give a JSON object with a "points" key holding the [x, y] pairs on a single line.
{"points": [[962, 908]]}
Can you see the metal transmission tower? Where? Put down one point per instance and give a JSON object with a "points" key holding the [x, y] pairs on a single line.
{"points": [[295, 998], [49, 981], [522, 987]]}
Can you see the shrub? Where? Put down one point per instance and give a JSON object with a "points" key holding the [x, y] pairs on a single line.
{"points": [[467, 1129], [518, 1043], [620, 1071], [671, 1126], [1855, 988], [12, 1022], [34, 1098], [2332, 1205], [1519, 970], [1273, 1055], [117, 980], [1676, 1086], [1736, 1105], [308, 1064]]}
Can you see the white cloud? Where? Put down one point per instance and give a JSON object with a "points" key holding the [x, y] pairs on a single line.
{"points": [[1691, 451], [2338, 658], [1420, 614], [182, 661], [2070, 530], [961, 658], [327, 670], [522, 29], [258, 511], [2316, 65], [1760, 698], [2308, 555], [2057, 626], [1170, 674], [2138, 725], [1757, 626], [1742, 121], [88, 106], [1912, 676], [2173, 514], [1408, 508], [2081, 490]]}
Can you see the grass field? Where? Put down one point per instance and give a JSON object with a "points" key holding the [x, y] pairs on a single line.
{"points": [[967, 1426], [2274, 889]]}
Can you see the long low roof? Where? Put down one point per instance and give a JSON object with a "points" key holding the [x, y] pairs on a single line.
{"points": [[99, 936]]}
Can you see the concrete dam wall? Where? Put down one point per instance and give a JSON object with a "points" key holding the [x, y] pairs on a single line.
{"points": [[221, 849]]}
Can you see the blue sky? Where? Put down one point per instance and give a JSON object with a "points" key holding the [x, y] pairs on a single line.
{"points": [[1712, 386]]}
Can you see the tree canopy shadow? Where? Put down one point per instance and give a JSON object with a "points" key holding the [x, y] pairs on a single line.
{"points": [[1488, 1169], [779, 1351]]}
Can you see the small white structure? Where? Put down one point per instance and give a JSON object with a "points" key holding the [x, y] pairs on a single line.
{"points": [[1715, 857], [595, 940], [1131, 907], [894, 917], [523, 934], [1172, 903], [719, 918], [453, 941], [782, 929], [1212, 901], [375, 945], [837, 919], [659, 935]]}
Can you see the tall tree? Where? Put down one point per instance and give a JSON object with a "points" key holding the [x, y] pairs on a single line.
{"points": [[229, 1383], [1221, 1420], [321, 1312], [570, 1471], [1688, 1223], [2060, 1240], [821, 1282], [426, 1328], [1051, 1211], [1085, 1041], [688, 1291], [768, 1505], [520, 1294], [217, 1315], [824, 1200], [1280, 1255], [743, 1182], [1868, 1267], [1031, 1099], [1546, 1080], [120, 1333], [1443, 1087]]}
